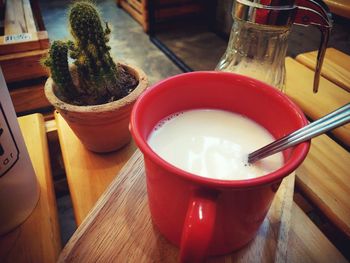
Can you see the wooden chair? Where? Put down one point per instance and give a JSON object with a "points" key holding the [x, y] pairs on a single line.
{"points": [[23, 42], [323, 177], [336, 67]]}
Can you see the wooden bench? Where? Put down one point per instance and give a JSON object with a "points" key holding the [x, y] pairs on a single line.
{"points": [[336, 66], [29, 97], [23, 44], [163, 9], [88, 174], [138, 9], [24, 41], [324, 175], [329, 97], [339, 7], [324, 178], [38, 238]]}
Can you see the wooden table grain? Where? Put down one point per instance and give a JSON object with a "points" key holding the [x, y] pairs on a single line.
{"points": [[120, 228], [336, 65], [324, 178], [329, 97], [324, 175], [88, 173]]}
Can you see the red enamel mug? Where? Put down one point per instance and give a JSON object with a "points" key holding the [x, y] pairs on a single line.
{"points": [[205, 216]]}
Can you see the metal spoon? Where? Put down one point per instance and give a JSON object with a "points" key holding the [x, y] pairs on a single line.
{"points": [[328, 122]]}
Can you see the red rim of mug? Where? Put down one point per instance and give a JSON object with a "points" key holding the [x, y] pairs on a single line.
{"points": [[299, 153]]}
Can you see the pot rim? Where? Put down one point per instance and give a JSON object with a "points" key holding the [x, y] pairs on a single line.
{"points": [[110, 106]]}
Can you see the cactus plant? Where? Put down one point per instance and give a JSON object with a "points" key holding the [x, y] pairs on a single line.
{"points": [[98, 78]]}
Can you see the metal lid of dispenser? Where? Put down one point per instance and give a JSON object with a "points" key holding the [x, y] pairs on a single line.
{"points": [[266, 12]]}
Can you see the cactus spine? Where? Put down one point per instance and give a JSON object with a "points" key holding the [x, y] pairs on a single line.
{"points": [[100, 79]]}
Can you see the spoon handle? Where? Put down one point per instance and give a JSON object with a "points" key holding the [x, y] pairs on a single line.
{"points": [[328, 122]]}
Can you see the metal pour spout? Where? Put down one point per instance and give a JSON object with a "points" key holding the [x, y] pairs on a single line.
{"points": [[286, 13], [314, 13]]}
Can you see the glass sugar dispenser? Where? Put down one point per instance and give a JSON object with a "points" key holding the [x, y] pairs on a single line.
{"points": [[259, 37]]}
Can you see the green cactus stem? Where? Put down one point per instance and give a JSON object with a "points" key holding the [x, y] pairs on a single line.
{"points": [[57, 62], [100, 79]]}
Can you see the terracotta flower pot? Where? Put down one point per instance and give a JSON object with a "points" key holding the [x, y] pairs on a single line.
{"points": [[104, 127]]}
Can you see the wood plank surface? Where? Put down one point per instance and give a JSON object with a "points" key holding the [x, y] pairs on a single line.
{"points": [[88, 174], [336, 66], [38, 238], [35, 5], [20, 53], [307, 244], [181, 9], [119, 228], [140, 14], [30, 98], [39, 40], [15, 22], [28, 16], [324, 178], [339, 7], [23, 65], [137, 5], [329, 97]]}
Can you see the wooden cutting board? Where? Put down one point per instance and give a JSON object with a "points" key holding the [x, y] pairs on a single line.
{"points": [[120, 228]]}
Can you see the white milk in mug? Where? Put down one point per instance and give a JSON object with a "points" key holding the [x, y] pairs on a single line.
{"points": [[19, 190], [213, 143]]}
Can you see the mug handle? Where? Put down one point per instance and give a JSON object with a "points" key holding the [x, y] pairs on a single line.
{"points": [[198, 228]]}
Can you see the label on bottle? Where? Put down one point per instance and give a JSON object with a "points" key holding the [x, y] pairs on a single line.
{"points": [[19, 188], [9, 152]]}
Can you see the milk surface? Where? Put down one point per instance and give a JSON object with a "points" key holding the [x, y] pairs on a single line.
{"points": [[213, 143]]}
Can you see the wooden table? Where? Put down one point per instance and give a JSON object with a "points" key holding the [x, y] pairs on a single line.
{"points": [[119, 227], [111, 228], [38, 238]]}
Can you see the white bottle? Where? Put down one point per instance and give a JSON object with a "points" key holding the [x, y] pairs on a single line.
{"points": [[19, 189]]}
